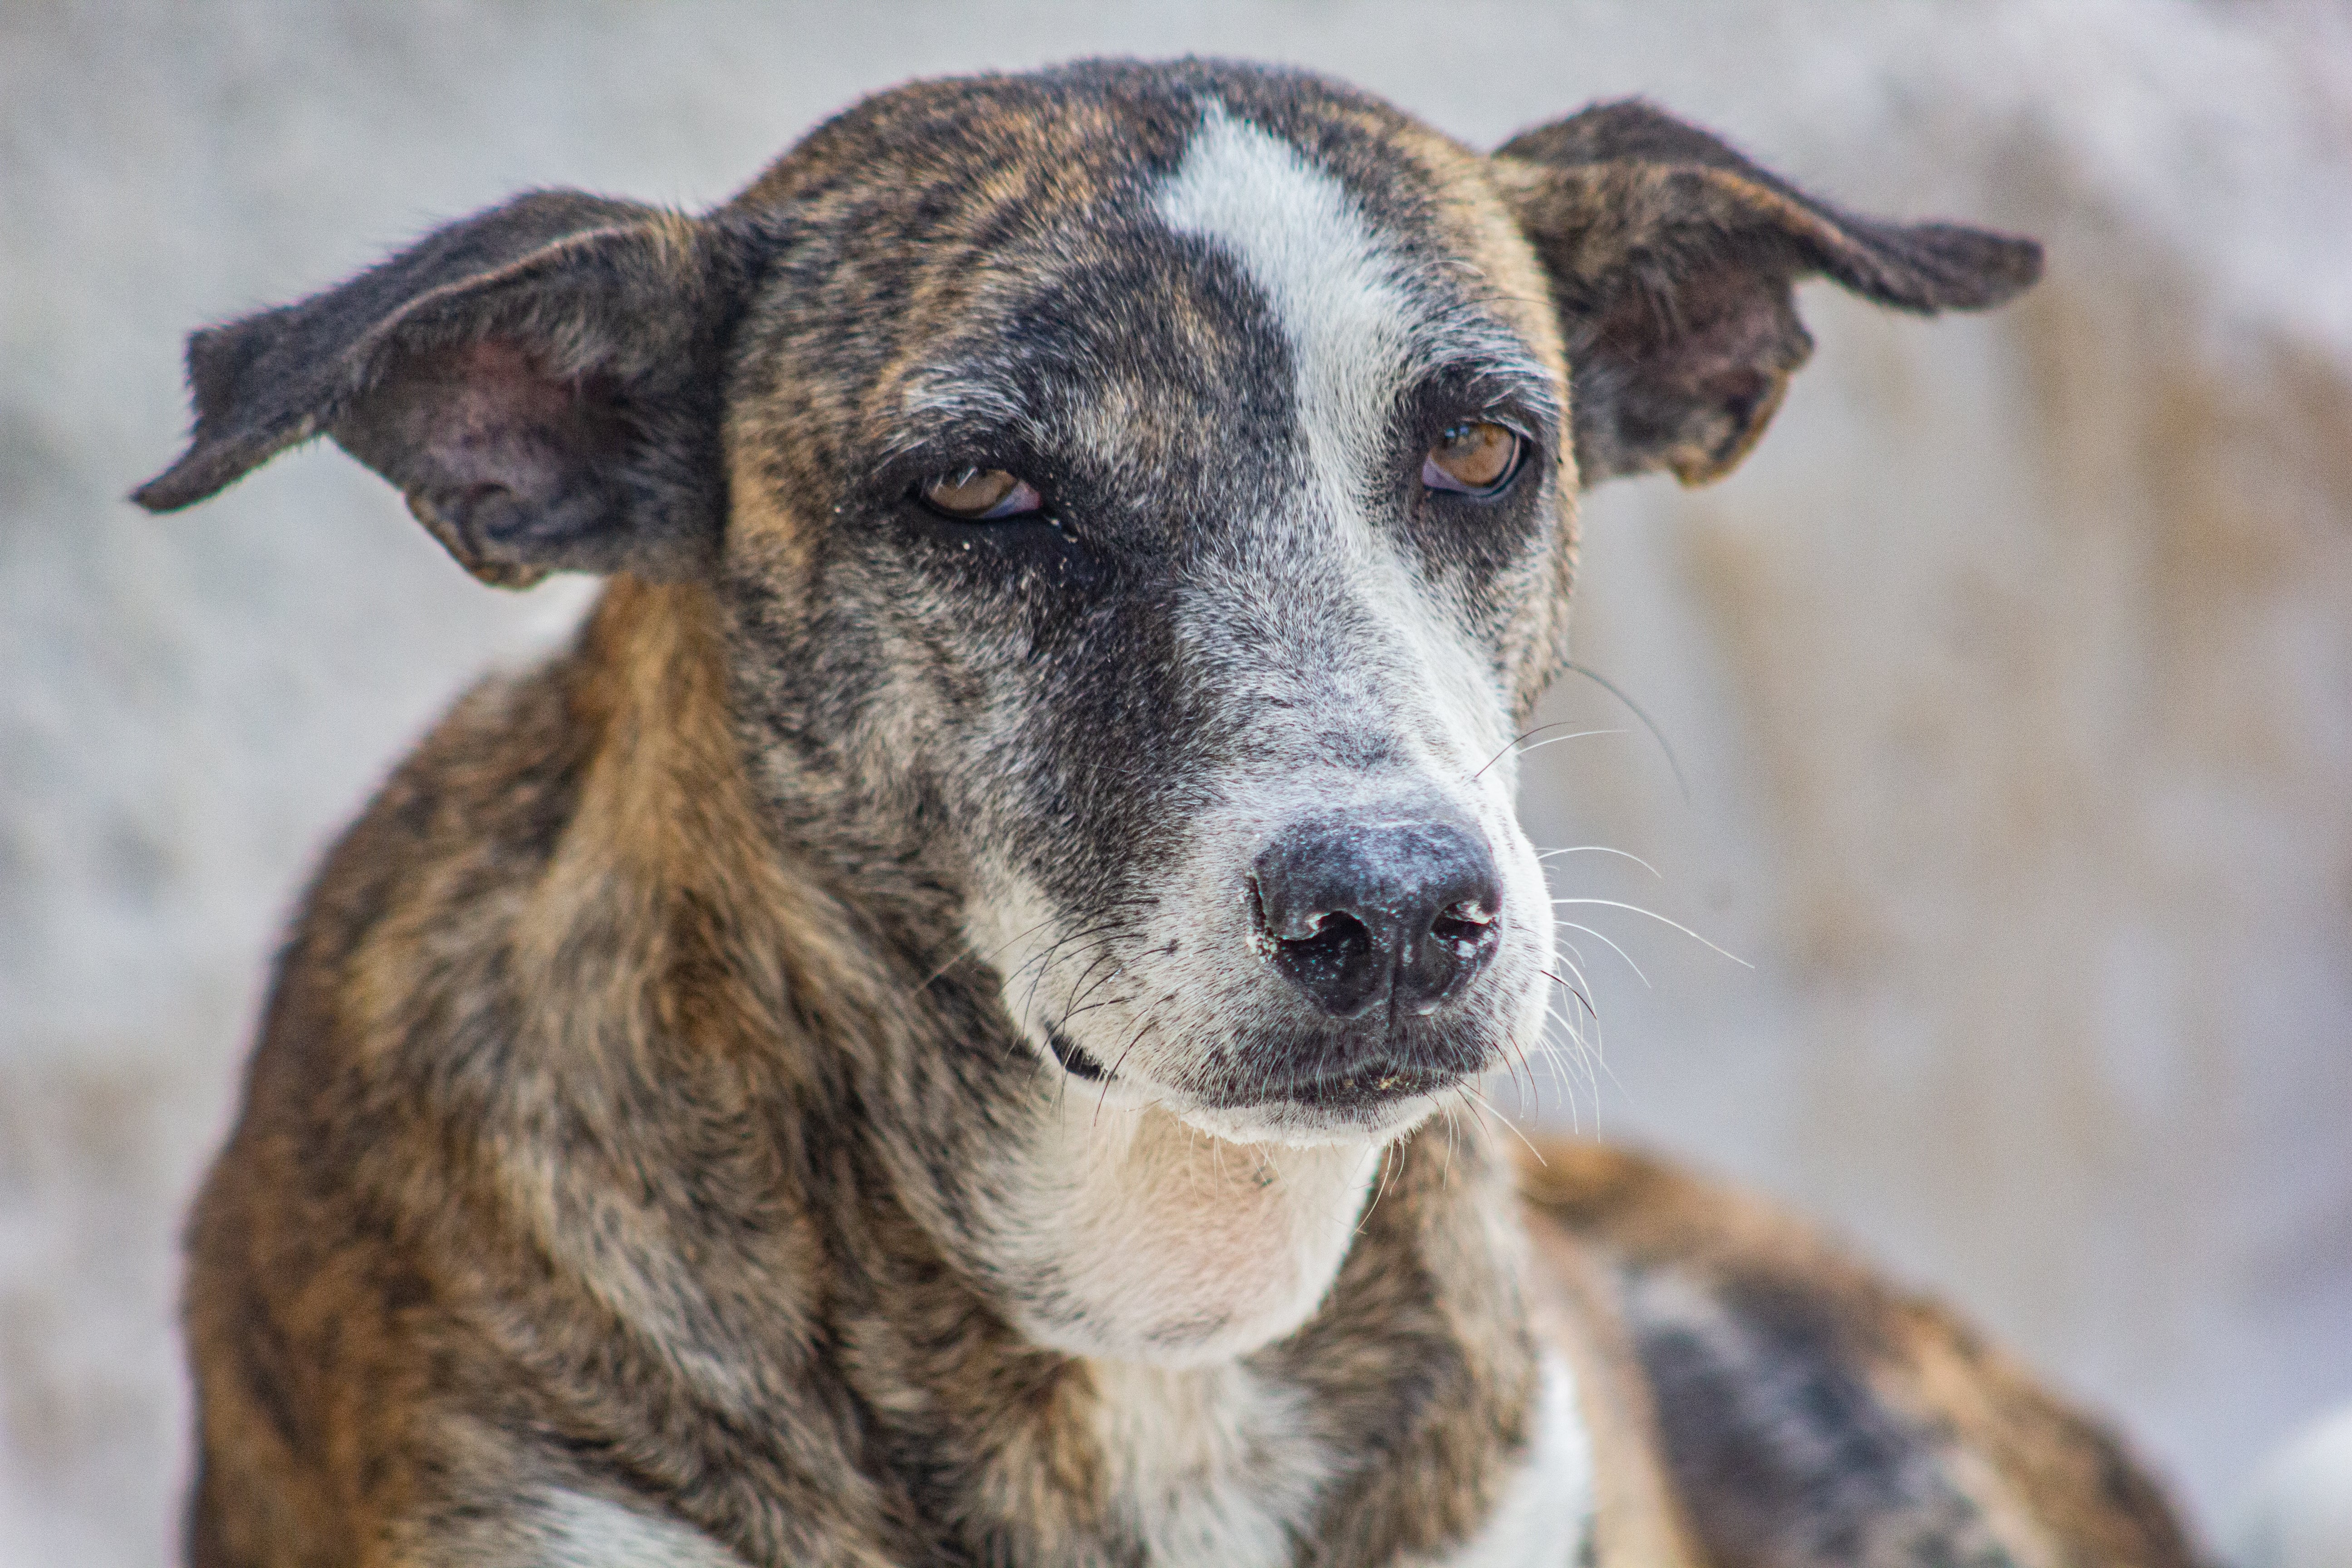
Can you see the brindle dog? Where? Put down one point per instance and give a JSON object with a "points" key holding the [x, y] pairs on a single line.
{"points": [[929, 1036]]}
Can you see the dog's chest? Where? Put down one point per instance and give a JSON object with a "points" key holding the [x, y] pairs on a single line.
{"points": [[1221, 1466], [1212, 1465], [1545, 1513]]}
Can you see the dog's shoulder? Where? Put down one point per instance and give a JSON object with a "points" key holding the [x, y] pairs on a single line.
{"points": [[1758, 1393], [298, 1283], [417, 1236]]}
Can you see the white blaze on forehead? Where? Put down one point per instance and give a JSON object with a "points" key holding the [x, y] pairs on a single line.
{"points": [[1359, 331], [1334, 287]]}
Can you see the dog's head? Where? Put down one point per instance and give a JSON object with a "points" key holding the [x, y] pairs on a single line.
{"points": [[1144, 503]]}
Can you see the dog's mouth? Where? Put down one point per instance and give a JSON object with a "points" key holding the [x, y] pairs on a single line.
{"points": [[1076, 1059], [1370, 1085], [1358, 1089]]}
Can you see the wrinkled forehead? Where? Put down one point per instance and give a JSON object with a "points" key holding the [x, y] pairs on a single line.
{"points": [[1144, 271]]}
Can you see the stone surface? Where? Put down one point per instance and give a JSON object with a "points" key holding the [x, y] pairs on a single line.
{"points": [[2012, 679]]}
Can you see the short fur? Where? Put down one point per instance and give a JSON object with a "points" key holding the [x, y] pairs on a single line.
{"points": [[793, 1080]]}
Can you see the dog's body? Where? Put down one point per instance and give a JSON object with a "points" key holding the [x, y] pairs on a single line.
{"points": [[928, 1036]]}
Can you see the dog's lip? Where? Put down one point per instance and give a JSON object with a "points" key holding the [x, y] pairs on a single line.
{"points": [[1369, 1086], [1076, 1059]]}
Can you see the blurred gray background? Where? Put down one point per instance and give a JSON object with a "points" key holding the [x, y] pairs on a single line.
{"points": [[2012, 679]]}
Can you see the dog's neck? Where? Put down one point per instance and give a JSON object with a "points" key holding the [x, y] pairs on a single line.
{"points": [[1127, 1235], [1362, 1306]]}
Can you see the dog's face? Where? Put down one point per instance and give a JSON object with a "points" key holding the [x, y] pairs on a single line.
{"points": [[1181, 528], [1144, 501]]}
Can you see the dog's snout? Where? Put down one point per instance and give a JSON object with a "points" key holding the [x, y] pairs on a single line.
{"points": [[1361, 909]]}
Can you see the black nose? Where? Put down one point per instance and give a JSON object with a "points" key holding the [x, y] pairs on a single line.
{"points": [[1360, 909]]}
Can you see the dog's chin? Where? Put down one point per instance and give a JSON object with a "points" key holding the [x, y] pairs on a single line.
{"points": [[1299, 1125]]}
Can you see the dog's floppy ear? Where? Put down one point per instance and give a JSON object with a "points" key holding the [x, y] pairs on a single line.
{"points": [[1671, 258], [541, 380]]}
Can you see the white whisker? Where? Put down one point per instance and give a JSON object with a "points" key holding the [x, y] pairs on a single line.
{"points": [[1615, 904], [1556, 740], [1604, 849], [1516, 740], [1619, 951], [1507, 1122]]}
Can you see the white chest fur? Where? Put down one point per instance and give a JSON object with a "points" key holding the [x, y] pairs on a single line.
{"points": [[1546, 1511], [1164, 1257], [1209, 1465], [1212, 1468], [1215, 1468]]}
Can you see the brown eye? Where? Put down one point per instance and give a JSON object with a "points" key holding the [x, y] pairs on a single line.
{"points": [[980, 495], [1475, 458]]}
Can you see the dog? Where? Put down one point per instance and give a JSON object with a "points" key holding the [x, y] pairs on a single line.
{"points": [[931, 1034]]}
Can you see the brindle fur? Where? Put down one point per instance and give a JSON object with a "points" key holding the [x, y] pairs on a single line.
{"points": [[623, 1133], [1812, 1413]]}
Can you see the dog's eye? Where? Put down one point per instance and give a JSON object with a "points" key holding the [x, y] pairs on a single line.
{"points": [[980, 495], [1472, 458]]}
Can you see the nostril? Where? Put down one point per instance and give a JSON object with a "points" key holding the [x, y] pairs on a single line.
{"points": [[1461, 938], [1462, 927], [1329, 953], [1472, 913], [1304, 925], [1338, 944]]}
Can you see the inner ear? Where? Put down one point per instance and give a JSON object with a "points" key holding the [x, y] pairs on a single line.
{"points": [[508, 462], [1714, 352], [490, 409]]}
